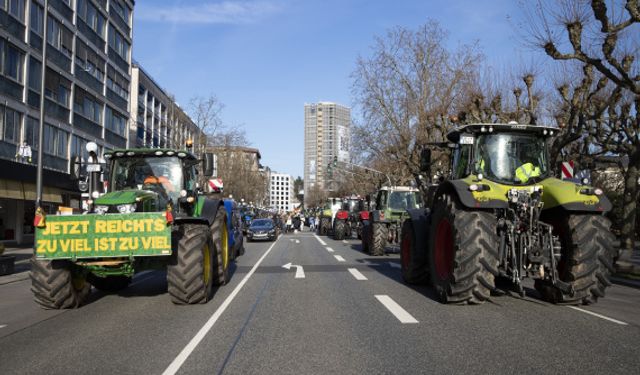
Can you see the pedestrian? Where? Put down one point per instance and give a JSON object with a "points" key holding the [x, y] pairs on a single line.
{"points": [[24, 153], [288, 223], [312, 224]]}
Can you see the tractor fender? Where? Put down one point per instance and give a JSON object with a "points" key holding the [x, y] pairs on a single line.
{"points": [[461, 190], [205, 214], [603, 205], [420, 219]]}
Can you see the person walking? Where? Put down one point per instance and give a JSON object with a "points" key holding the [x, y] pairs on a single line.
{"points": [[312, 224], [289, 223]]}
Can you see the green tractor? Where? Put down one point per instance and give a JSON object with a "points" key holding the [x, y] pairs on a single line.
{"points": [[501, 215], [328, 213], [153, 216], [384, 224]]}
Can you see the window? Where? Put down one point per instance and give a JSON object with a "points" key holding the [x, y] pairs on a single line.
{"points": [[91, 16], [79, 147], [55, 141], [10, 124], [57, 88], [35, 71], [117, 83], [31, 132], [37, 18], [118, 43], [59, 36], [121, 9], [89, 61], [87, 106], [11, 60], [15, 8], [114, 122]]}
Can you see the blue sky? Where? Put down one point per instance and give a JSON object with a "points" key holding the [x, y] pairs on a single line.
{"points": [[264, 59]]}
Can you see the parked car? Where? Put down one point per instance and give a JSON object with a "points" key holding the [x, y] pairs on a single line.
{"points": [[262, 229]]}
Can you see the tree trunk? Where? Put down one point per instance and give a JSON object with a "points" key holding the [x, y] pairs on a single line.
{"points": [[629, 217]]}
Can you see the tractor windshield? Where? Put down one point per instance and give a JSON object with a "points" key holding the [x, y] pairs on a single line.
{"points": [[403, 200], [353, 205], [160, 174], [510, 158]]}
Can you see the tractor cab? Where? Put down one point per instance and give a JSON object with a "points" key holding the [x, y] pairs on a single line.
{"points": [[511, 154]]}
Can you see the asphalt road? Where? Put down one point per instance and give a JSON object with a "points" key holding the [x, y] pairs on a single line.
{"points": [[343, 312]]}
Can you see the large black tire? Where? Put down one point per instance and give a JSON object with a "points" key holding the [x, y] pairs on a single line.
{"points": [[379, 236], [58, 284], [463, 253], [412, 260], [339, 230], [109, 284], [587, 259], [325, 224], [190, 273], [220, 240], [366, 235]]}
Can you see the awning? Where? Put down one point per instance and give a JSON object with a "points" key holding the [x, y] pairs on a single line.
{"points": [[11, 189]]}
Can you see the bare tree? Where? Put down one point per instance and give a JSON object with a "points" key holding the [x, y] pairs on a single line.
{"points": [[240, 173], [205, 112], [603, 39], [406, 90]]}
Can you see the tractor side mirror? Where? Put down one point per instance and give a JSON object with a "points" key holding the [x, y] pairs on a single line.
{"points": [[425, 160], [207, 168]]}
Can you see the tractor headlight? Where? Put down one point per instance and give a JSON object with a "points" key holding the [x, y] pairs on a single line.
{"points": [[101, 210], [126, 208]]}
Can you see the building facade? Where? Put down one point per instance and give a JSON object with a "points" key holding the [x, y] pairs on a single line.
{"points": [[156, 119], [281, 191], [326, 136], [86, 90]]}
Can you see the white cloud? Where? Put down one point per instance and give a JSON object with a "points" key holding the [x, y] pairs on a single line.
{"points": [[224, 12]]}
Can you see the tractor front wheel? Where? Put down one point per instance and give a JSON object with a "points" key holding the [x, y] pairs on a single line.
{"points": [[220, 239], [379, 237], [412, 260], [190, 272], [58, 284], [463, 253], [339, 230]]}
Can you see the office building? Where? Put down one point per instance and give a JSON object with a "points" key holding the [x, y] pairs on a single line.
{"points": [[281, 191], [326, 135]]}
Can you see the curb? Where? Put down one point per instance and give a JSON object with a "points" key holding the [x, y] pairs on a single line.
{"points": [[20, 276]]}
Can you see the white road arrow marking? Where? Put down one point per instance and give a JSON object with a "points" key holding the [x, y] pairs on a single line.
{"points": [[299, 270], [394, 265]]}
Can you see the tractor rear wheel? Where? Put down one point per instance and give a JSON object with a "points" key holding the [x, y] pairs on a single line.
{"points": [[339, 230], [463, 253], [190, 272], [366, 236], [58, 284], [586, 262], [379, 237], [109, 284], [413, 263], [325, 224], [220, 239]]}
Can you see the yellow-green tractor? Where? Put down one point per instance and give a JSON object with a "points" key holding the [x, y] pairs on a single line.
{"points": [[501, 214]]}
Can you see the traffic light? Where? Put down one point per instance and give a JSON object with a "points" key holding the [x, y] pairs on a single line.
{"points": [[335, 161]]}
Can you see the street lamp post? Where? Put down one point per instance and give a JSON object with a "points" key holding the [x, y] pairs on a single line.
{"points": [[41, 125]]}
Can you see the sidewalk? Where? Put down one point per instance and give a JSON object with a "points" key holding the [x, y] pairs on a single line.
{"points": [[22, 254]]}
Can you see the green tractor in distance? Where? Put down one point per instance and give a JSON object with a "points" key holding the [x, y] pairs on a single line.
{"points": [[501, 214], [384, 224], [328, 213], [153, 216]]}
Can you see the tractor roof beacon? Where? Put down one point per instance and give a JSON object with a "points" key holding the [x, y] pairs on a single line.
{"points": [[502, 213]]}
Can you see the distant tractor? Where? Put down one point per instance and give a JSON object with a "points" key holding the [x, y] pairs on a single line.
{"points": [[328, 213], [502, 215], [384, 224], [347, 220], [153, 216]]}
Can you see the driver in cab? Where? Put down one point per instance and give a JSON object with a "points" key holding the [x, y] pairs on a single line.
{"points": [[162, 180], [528, 168]]}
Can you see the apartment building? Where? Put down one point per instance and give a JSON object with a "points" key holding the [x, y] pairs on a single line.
{"points": [[326, 135], [281, 191]]}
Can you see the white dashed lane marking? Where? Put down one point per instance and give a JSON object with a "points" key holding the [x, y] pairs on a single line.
{"points": [[339, 258], [599, 316], [2, 325], [401, 314], [329, 249], [357, 274], [320, 240]]}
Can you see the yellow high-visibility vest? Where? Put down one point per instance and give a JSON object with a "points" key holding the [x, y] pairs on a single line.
{"points": [[526, 171]]}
